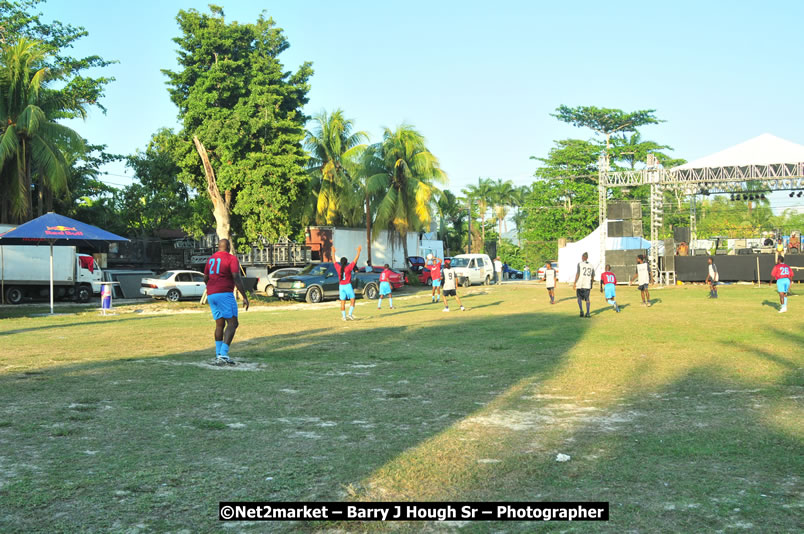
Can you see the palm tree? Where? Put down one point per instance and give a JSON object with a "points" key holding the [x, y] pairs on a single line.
{"points": [[451, 215], [519, 198], [331, 145], [31, 144], [502, 196], [482, 195], [404, 174]]}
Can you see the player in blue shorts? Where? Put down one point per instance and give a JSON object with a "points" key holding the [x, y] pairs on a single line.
{"points": [[435, 278], [385, 286], [783, 275], [608, 282], [345, 289], [222, 275]]}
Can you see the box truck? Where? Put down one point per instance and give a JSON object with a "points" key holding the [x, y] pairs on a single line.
{"points": [[25, 272]]}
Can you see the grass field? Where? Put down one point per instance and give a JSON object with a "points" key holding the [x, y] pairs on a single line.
{"points": [[686, 417]]}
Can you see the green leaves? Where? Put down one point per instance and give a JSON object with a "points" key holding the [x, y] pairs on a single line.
{"points": [[605, 121]]}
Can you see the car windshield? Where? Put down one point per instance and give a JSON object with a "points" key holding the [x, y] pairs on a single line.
{"points": [[166, 275], [459, 262], [315, 269]]}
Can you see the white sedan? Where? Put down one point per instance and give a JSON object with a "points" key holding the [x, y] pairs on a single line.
{"points": [[174, 285], [268, 283]]}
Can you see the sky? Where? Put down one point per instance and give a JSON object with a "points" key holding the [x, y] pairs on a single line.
{"points": [[480, 79]]}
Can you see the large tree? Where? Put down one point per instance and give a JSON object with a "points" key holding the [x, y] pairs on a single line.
{"points": [[243, 123], [409, 174], [503, 192], [605, 121], [482, 195]]}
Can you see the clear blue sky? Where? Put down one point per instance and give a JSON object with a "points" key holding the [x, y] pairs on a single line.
{"points": [[479, 79]]}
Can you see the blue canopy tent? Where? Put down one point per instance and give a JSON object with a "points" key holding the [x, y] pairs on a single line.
{"points": [[56, 230]]}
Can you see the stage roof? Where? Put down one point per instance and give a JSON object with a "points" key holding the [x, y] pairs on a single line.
{"points": [[765, 149]]}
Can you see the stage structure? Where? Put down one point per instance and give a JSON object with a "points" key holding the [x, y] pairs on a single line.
{"points": [[775, 163]]}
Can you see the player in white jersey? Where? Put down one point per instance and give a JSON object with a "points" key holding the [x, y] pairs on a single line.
{"points": [[550, 281], [584, 278], [644, 278], [712, 278], [450, 285]]}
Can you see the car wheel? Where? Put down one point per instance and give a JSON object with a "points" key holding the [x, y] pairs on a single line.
{"points": [[314, 295], [466, 282], [370, 292], [173, 295], [14, 295], [269, 290], [487, 281], [83, 294]]}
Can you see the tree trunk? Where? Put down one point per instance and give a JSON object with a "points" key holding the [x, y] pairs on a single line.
{"points": [[220, 205], [368, 228], [40, 200], [404, 246], [27, 197]]}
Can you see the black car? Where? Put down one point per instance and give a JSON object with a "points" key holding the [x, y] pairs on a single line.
{"points": [[319, 281]]}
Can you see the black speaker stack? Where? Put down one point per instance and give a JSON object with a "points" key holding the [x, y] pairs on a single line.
{"points": [[630, 219], [623, 262]]}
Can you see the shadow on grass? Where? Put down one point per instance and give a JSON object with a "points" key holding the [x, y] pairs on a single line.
{"points": [[68, 325], [772, 304]]}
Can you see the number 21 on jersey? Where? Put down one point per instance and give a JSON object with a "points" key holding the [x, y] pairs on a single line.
{"points": [[213, 268]]}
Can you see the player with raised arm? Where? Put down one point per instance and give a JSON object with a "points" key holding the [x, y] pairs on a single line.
{"points": [[344, 269], [435, 276], [450, 285], [584, 279], [221, 276], [644, 278], [712, 278], [609, 282], [783, 275], [385, 287], [550, 281]]}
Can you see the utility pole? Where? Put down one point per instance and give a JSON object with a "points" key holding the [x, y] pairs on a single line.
{"points": [[469, 218]]}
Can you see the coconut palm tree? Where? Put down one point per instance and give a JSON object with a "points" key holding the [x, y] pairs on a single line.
{"points": [[519, 198], [482, 195], [31, 143], [405, 175], [503, 197], [331, 144]]}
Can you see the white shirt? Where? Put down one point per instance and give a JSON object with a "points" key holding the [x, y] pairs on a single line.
{"points": [[643, 274], [550, 277], [497, 265], [450, 277], [713, 272], [586, 274]]}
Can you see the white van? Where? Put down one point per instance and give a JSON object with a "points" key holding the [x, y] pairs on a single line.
{"points": [[473, 269]]}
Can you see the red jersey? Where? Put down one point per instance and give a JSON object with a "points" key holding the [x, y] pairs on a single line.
{"points": [[385, 276], [782, 270], [435, 270], [344, 277], [608, 278], [221, 268]]}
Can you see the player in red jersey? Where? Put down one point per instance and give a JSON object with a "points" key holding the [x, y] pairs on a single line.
{"points": [[385, 286], [609, 282], [435, 278], [345, 289], [783, 275], [221, 275]]}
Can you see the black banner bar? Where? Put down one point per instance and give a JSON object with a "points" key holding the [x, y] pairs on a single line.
{"points": [[413, 511]]}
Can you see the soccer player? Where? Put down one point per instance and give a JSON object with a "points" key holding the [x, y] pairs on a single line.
{"points": [[345, 289], [435, 278], [712, 278], [584, 278], [783, 275], [222, 275], [550, 281], [450, 285], [609, 282], [644, 278], [385, 286]]}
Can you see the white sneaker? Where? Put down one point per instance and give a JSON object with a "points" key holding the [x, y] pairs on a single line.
{"points": [[445, 309], [784, 309], [343, 319], [463, 309], [350, 317]]}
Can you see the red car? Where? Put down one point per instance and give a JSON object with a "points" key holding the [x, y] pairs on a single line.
{"points": [[416, 264], [395, 278]]}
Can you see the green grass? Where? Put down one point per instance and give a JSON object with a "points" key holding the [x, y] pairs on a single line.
{"points": [[686, 417]]}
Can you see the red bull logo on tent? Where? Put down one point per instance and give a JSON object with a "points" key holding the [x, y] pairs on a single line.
{"points": [[63, 231]]}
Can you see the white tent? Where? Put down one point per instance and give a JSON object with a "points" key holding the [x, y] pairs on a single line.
{"points": [[765, 149], [570, 256]]}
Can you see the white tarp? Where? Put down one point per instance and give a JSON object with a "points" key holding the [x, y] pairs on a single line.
{"points": [[765, 149], [570, 256]]}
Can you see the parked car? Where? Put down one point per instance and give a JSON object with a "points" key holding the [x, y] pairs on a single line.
{"points": [[540, 272], [416, 264], [174, 285], [396, 279], [319, 281], [512, 274], [473, 269], [267, 284]]}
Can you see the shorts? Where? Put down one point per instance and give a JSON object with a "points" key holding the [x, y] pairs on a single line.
{"points": [[713, 282], [550, 288], [783, 285], [436, 283], [610, 291], [385, 288], [346, 292], [643, 287], [449, 292], [223, 305], [582, 294]]}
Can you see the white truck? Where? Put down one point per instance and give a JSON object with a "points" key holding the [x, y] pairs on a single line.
{"points": [[25, 272]]}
